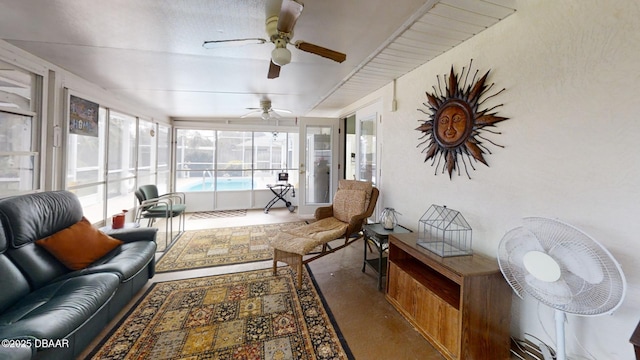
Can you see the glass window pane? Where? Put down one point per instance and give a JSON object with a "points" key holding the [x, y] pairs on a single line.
{"points": [[164, 150], [83, 166], [293, 157], [235, 153], [195, 157], [272, 155], [162, 182], [92, 200], [147, 152], [17, 154], [17, 174], [120, 196], [318, 145], [16, 87], [20, 141], [164, 156], [270, 150], [233, 180], [367, 162], [235, 150], [122, 146], [146, 179], [16, 132]]}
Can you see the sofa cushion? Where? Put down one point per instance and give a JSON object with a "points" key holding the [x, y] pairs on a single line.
{"points": [[12, 282], [58, 309], [79, 245], [348, 203], [125, 261], [27, 218], [3, 240], [37, 264]]}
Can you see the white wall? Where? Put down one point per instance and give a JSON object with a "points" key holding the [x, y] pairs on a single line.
{"points": [[571, 72]]}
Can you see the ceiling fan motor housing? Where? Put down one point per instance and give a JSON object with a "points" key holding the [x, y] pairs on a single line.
{"points": [[272, 26], [265, 105]]}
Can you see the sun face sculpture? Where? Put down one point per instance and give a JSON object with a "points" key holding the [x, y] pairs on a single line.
{"points": [[453, 133]]}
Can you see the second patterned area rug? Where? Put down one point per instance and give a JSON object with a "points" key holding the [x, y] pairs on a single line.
{"points": [[248, 315], [217, 214], [221, 246]]}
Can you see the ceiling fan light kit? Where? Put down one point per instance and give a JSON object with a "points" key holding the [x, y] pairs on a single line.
{"points": [[281, 56]]}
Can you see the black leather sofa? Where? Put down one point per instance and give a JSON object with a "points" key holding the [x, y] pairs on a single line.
{"points": [[48, 311]]}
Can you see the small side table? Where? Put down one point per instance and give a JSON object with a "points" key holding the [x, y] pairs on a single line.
{"points": [[377, 235], [129, 225]]}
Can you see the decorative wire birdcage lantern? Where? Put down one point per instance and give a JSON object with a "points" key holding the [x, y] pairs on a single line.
{"points": [[445, 232]]}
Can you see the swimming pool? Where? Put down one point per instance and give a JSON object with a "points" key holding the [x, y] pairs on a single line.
{"points": [[222, 184]]}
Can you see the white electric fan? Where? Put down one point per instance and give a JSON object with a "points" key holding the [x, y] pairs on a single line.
{"points": [[563, 268]]}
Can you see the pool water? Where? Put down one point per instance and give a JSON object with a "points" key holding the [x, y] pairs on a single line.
{"points": [[223, 184]]}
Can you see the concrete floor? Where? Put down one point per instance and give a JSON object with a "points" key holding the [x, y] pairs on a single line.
{"points": [[372, 328]]}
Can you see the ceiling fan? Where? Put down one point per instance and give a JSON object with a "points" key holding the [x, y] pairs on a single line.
{"points": [[280, 31], [266, 111]]}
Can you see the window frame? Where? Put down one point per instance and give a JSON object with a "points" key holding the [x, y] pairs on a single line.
{"points": [[37, 91]]}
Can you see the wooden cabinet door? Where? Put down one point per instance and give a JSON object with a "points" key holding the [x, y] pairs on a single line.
{"points": [[401, 289], [438, 320]]}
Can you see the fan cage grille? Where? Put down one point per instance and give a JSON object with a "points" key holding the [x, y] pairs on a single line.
{"points": [[591, 281]]}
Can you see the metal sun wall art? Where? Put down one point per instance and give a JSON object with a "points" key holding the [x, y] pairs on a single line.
{"points": [[453, 133]]}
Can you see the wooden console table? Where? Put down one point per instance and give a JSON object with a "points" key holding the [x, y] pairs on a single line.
{"points": [[461, 304], [635, 340]]}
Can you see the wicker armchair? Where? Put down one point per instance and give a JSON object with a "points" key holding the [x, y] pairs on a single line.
{"points": [[353, 203]]}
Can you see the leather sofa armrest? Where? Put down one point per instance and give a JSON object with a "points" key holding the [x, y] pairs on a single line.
{"points": [[137, 234], [18, 349]]}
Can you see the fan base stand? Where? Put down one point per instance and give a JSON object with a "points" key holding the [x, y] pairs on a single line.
{"points": [[560, 317]]}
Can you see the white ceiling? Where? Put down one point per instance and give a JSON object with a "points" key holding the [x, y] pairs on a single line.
{"points": [[150, 51]]}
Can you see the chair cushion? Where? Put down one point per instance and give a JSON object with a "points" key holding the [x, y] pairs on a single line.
{"points": [[79, 245], [177, 209], [303, 239], [149, 191], [348, 203], [365, 186]]}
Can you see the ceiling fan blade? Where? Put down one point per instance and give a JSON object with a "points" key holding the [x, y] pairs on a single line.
{"points": [[274, 70], [274, 115], [214, 44], [251, 113], [289, 14], [282, 110], [319, 50]]}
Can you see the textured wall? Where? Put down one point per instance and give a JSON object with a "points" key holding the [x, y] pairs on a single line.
{"points": [[571, 146]]}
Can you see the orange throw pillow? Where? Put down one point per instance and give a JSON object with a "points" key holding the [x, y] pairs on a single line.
{"points": [[79, 245]]}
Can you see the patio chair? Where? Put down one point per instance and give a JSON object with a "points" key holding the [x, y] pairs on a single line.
{"points": [[353, 203], [167, 206]]}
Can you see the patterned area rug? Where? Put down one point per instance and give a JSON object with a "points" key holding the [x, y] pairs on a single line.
{"points": [[217, 214], [221, 246], [249, 315]]}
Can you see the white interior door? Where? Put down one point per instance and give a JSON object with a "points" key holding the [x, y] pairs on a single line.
{"points": [[366, 159], [368, 147], [318, 163]]}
